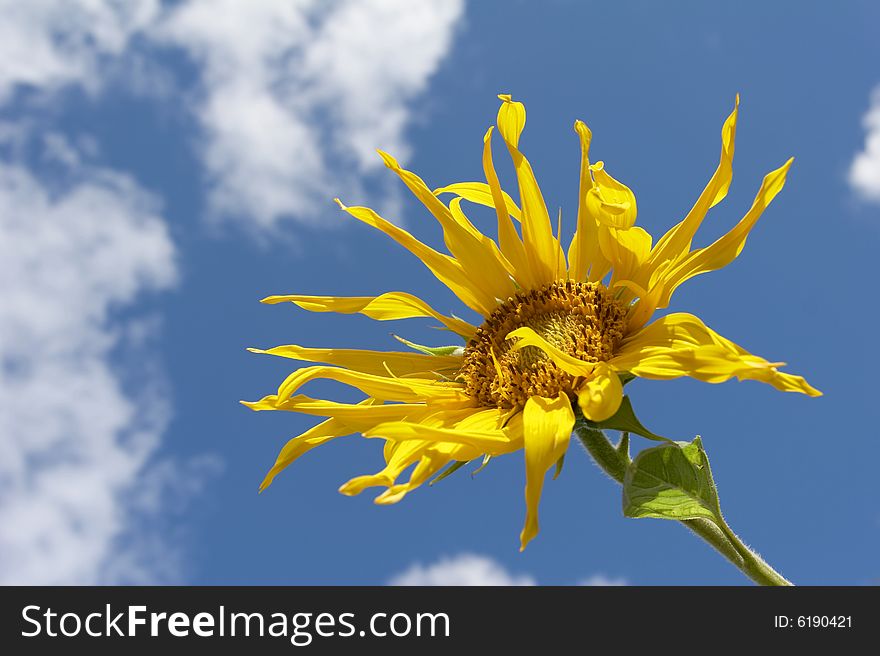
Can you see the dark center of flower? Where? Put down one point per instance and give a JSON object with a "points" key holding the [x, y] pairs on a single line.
{"points": [[579, 318]]}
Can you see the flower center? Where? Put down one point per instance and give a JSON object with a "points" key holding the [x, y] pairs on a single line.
{"points": [[579, 318]]}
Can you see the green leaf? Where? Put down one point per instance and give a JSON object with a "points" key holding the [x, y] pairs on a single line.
{"points": [[671, 481], [430, 350], [625, 420], [451, 469]]}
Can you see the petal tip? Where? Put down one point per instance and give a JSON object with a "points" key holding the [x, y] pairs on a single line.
{"points": [[525, 537], [268, 479], [582, 128], [389, 161]]}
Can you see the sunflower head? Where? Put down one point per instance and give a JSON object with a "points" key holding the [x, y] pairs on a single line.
{"points": [[581, 319], [561, 329]]}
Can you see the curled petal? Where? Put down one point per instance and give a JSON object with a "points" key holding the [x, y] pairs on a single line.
{"points": [[525, 336], [610, 201], [680, 344], [481, 193], [601, 395]]}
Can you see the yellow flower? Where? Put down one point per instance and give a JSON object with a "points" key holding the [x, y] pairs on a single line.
{"points": [[558, 332]]}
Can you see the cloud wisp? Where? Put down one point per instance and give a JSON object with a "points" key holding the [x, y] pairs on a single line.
{"points": [[477, 570]]}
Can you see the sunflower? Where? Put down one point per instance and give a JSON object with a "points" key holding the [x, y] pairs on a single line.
{"points": [[562, 331]]}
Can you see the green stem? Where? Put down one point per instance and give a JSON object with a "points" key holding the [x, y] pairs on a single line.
{"points": [[614, 461]]}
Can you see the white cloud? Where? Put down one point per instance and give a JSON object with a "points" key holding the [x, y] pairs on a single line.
{"points": [[45, 44], [296, 96], [864, 173], [74, 444], [464, 569], [472, 569]]}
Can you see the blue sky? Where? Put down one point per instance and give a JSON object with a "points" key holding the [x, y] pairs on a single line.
{"points": [[165, 166]]}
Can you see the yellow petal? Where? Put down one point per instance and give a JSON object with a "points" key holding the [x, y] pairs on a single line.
{"points": [[610, 201], [430, 463], [386, 307], [481, 193], [447, 269], [547, 425], [488, 248], [511, 119], [508, 239], [680, 344], [677, 241], [477, 254], [462, 220], [626, 250], [386, 388], [354, 414], [493, 442], [542, 249], [525, 337], [316, 436], [398, 458], [725, 249], [370, 362], [433, 204], [431, 457], [583, 253], [601, 395], [488, 419], [450, 430], [643, 308]]}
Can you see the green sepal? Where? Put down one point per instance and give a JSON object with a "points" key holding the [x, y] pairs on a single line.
{"points": [[625, 420], [626, 377], [559, 464], [429, 350], [671, 481], [451, 469], [486, 459]]}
